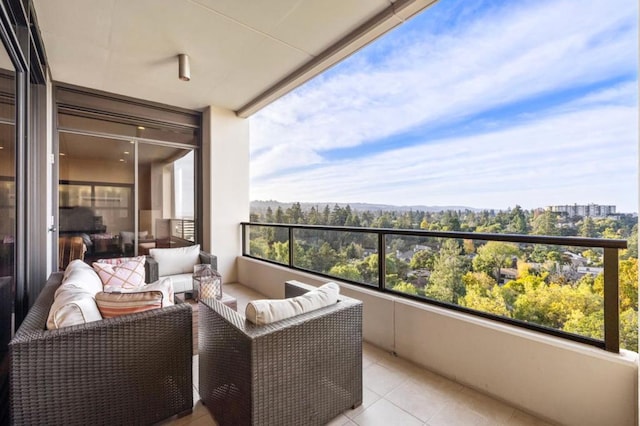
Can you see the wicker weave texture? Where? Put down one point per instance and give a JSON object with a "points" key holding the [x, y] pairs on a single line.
{"points": [[133, 369], [302, 371]]}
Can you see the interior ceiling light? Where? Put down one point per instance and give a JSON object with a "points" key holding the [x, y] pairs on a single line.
{"points": [[139, 128], [132, 142], [126, 153], [62, 154], [184, 69], [122, 159]]}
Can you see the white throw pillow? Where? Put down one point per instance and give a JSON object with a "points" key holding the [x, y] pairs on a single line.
{"points": [[173, 261], [81, 276], [72, 306], [266, 311]]}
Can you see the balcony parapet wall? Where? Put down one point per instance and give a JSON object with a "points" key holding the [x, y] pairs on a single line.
{"points": [[556, 379]]}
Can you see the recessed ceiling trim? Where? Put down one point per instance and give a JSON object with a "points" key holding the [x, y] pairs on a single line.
{"points": [[387, 19]]}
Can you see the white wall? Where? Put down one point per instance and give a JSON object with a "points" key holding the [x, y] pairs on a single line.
{"points": [[553, 378], [225, 186]]}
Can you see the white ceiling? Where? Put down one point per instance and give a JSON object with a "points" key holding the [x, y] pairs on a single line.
{"points": [[239, 49]]}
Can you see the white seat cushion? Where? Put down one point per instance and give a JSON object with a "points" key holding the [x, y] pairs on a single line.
{"points": [[172, 261], [266, 311], [180, 282]]}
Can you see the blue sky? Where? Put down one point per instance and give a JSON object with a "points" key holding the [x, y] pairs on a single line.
{"points": [[486, 104]]}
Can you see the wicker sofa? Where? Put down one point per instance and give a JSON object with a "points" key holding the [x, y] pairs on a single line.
{"points": [[132, 369], [304, 370]]}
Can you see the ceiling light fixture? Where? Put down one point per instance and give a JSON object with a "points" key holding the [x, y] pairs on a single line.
{"points": [[126, 153], [122, 159], [184, 69]]}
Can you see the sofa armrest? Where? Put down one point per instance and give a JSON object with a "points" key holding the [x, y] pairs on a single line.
{"points": [[209, 258], [147, 353], [293, 288], [150, 270]]}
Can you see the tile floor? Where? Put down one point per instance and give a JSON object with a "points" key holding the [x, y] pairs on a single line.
{"points": [[395, 393]]}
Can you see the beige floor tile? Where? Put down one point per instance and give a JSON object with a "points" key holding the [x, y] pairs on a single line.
{"points": [[341, 420], [382, 380], [432, 382], [384, 413], [457, 415], [418, 401], [368, 398], [496, 412], [520, 418], [196, 372], [371, 352]]}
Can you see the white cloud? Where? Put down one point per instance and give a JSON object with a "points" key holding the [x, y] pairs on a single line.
{"points": [[506, 56], [584, 156]]}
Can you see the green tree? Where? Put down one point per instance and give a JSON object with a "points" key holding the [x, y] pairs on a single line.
{"points": [[326, 213], [628, 282], [588, 228], [494, 256], [279, 217], [295, 213], [629, 329], [517, 221], [546, 223], [445, 282], [368, 268], [280, 252], [423, 259], [424, 224], [383, 221], [347, 271], [353, 251], [405, 287], [483, 294]]}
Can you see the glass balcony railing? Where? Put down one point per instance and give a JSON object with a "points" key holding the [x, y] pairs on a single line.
{"points": [[563, 286]]}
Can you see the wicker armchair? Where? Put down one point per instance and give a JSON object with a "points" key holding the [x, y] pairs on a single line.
{"points": [[300, 371], [132, 369], [152, 272]]}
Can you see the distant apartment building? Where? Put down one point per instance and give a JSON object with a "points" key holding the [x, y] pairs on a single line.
{"points": [[592, 210]]}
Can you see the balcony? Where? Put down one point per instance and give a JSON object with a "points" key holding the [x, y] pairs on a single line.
{"points": [[535, 369], [484, 371]]}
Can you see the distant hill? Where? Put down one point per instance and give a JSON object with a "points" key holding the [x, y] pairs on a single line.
{"points": [[260, 206]]}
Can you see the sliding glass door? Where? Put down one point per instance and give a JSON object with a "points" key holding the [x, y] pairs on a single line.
{"points": [[126, 175], [166, 191], [96, 188]]}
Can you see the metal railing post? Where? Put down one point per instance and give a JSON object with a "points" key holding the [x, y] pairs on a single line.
{"points": [[382, 261], [244, 238], [611, 301], [291, 246]]}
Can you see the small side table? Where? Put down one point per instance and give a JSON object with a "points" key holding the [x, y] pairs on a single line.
{"points": [[228, 300]]}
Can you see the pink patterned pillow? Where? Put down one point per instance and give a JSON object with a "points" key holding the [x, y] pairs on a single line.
{"points": [[126, 275], [118, 260]]}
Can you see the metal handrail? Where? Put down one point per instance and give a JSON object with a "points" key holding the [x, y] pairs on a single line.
{"points": [[610, 247]]}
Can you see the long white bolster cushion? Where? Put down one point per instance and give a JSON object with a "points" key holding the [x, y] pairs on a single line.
{"points": [[266, 311]]}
